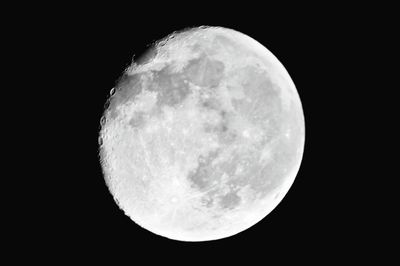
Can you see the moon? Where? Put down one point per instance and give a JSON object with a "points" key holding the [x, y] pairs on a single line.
{"points": [[202, 136]]}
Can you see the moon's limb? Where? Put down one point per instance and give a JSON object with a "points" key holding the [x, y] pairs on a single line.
{"points": [[205, 138]]}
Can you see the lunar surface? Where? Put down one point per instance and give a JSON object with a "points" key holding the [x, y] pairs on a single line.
{"points": [[202, 136]]}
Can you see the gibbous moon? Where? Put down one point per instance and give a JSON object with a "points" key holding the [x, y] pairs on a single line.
{"points": [[203, 135]]}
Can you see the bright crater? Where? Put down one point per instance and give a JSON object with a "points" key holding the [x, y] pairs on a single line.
{"points": [[203, 136]]}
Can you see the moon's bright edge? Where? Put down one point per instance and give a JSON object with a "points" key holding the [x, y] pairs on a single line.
{"points": [[203, 135]]}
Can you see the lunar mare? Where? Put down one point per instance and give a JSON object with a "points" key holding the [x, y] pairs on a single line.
{"points": [[204, 136]]}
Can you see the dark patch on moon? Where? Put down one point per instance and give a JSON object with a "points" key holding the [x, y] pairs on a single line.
{"points": [[213, 74], [226, 135], [221, 127], [269, 95], [221, 41], [209, 103], [203, 176], [173, 87], [265, 104], [138, 120], [207, 200], [204, 72], [170, 86], [230, 200]]}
